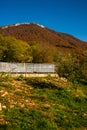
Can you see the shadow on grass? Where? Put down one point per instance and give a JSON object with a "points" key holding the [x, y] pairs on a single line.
{"points": [[40, 83], [3, 127]]}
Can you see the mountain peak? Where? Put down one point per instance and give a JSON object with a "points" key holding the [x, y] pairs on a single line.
{"points": [[18, 24], [41, 25]]}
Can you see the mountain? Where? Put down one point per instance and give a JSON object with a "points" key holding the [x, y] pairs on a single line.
{"points": [[43, 35]]}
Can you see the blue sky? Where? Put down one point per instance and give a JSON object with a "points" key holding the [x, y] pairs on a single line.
{"points": [[68, 16]]}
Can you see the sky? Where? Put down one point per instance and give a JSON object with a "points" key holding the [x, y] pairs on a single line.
{"points": [[67, 16]]}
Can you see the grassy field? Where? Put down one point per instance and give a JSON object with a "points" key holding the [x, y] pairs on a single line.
{"points": [[49, 103]]}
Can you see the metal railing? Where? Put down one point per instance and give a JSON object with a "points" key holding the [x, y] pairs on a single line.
{"points": [[26, 67]]}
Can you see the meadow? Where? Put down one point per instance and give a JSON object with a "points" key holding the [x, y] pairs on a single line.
{"points": [[48, 103]]}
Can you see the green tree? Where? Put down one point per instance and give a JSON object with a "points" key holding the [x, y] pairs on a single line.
{"points": [[42, 53], [13, 50], [68, 67], [84, 66]]}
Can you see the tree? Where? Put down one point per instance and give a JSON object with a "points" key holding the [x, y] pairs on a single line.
{"points": [[84, 67], [13, 50], [42, 53], [68, 67]]}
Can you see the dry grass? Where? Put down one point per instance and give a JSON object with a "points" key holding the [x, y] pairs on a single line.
{"points": [[57, 106]]}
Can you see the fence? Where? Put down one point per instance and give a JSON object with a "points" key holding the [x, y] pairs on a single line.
{"points": [[26, 68]]}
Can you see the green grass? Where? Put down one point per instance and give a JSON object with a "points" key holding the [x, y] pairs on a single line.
{"points": [[44, 104]]}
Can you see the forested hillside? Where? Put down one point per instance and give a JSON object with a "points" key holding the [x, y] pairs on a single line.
{"points": [[68, 64], [14, 50], [30, 32]]}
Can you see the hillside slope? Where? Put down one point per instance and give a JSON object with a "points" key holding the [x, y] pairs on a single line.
{"points": [[43, 35], [42, 104]]}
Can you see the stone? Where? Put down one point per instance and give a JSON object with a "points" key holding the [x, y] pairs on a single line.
{"points": [[0, 107], [5, 93], [4, 107]]}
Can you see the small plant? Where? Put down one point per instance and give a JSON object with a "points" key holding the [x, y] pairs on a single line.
{"points": [[5, 77], [49, 76], [20, 78]]}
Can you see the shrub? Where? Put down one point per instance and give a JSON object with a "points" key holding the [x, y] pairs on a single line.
{"points": [[5, 77], [69, 67], [20, 78]]}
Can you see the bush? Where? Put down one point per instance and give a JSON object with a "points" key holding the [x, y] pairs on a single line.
{"points": [[20, 78], [5, 77], [69, 67]]}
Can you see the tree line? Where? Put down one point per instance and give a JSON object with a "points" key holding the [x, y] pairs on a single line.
{"points": [[15, 50], [68, 65]]}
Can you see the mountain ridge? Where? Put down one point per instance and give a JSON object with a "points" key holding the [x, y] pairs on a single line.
{"points": [[35, 32]]}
